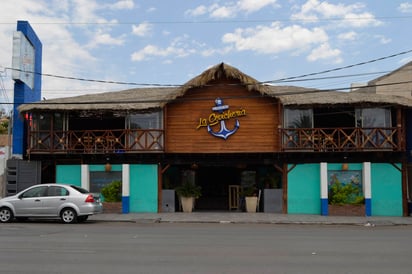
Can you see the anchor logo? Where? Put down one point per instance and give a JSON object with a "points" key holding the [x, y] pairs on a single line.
{"points": [[223, 132], [220, 114]]}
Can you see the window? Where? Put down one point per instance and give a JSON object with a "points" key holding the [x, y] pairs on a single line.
{"points": [[374, 121], [298, 118], [35, 192], [146, 131], [57, 191], [373, 117], [152, 120]]}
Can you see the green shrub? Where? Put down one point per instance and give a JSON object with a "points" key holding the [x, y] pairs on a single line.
{"points": [[188, 189], [112, 192]]}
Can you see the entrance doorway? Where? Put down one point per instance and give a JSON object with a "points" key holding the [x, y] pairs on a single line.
{"points": [[215, 181]]}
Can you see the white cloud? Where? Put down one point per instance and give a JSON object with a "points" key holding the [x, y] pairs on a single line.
{"points": [[200, 10], [353, 15], [122, 4], [254, 5], [359, 20], [324, 51], [351, 35], [223, 12], [275, 39], [383, 39], [151, 9], [68, 49], [153, 51], [231, 9], [101, 38], [405, 7], [178, 48], [142, 29]]}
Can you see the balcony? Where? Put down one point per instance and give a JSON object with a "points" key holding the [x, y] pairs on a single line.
{"points": [[341, 139], [152, 140], [96, 141]]}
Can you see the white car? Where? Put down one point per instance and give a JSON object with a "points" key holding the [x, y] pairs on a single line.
{"points": [[69, 203]]}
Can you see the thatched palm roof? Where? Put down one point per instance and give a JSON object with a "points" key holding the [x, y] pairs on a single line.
{"points": [[222, 71], [145, 99]]}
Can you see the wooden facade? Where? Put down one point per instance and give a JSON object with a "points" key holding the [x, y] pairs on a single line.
{"points": [[258, 130]]}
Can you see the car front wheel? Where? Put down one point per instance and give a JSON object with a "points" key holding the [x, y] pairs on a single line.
{"points": [[6, 215], [68, 216]]}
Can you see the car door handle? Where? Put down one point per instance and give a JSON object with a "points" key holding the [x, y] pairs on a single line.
{"points": [[37, 200], [62, 199]]}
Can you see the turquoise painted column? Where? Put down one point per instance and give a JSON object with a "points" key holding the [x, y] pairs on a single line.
{"points": [[367, 187], [125, 188], [324, 189]]}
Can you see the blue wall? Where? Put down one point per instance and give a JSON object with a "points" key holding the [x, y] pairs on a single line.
{"points": [[24, 94], [386, 190], [304, 189], [143, 184], [69, 174], [143, 188], [386, 183]]}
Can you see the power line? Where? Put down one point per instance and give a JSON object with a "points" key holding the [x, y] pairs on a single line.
{"points": [[179, 85], [146, 100], [341, 68], [267, 20]]}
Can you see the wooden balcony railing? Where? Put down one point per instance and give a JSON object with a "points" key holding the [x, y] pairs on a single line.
{"points": [[96, 141], [152, 140], [341, 139]]}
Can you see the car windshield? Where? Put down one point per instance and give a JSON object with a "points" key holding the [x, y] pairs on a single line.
{"points": [[79, 189]]}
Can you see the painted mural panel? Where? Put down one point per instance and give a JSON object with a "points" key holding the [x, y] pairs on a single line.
{"points": [[345, 187]]}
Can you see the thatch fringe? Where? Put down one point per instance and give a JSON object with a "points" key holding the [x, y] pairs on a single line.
{"points": [[224, 71]]}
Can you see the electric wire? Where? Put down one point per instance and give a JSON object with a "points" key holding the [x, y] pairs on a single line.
{"points": [[179, 85]]}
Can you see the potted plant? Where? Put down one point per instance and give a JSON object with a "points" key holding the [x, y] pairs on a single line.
{"points": [[112, 197], [187, 193], [249, 192]]}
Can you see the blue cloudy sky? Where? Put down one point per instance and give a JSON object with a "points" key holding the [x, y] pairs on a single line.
{"points": [[170, 41]]}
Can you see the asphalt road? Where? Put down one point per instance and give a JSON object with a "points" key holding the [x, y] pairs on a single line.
{"points": [[101, 247]]}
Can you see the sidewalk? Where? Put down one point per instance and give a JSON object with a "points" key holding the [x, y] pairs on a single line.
{"points": [[242, 217]]}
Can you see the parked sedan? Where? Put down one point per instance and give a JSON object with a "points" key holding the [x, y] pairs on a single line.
{"points": [[67, 202]]}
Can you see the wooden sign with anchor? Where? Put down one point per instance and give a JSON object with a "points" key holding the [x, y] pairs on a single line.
{"points": [[220, 114]]}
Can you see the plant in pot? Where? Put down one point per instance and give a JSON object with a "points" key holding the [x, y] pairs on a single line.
{"points": [[112, 197], [187, 193], [249, 192]]}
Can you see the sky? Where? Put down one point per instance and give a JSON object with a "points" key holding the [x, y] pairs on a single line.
{"points": [[152, 42]]}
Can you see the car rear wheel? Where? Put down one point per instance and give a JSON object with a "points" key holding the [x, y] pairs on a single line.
{"points": [[68, 216], [6, 215]]}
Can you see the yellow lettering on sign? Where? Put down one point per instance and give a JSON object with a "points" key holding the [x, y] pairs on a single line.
{"points": [[202, 123], [215, 118]]}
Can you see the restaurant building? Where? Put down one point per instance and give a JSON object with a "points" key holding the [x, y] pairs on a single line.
{"points": [[302, 149]]}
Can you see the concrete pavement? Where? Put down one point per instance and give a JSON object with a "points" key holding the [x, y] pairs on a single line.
{"points": [[243, 217]]}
